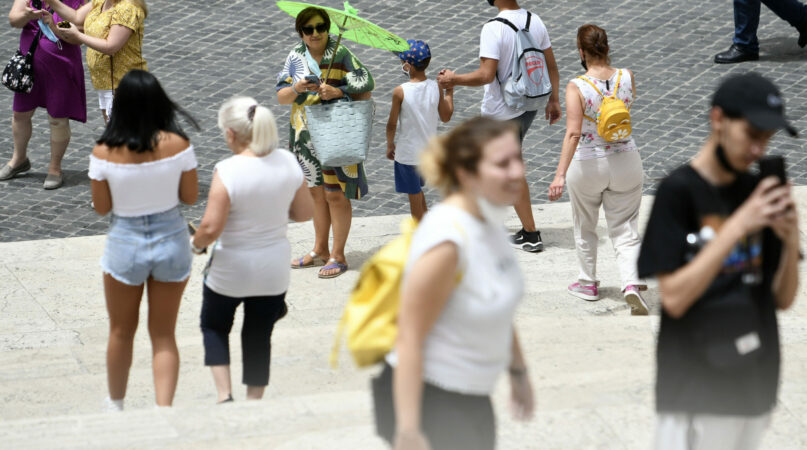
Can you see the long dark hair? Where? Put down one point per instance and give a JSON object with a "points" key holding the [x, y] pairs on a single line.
{"points": [[140, 110]]}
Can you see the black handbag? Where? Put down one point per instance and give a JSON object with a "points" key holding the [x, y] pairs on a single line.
{"points": [[19, 72]]}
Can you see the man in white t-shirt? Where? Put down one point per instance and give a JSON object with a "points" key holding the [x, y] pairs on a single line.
{"points": [[496, 49]]}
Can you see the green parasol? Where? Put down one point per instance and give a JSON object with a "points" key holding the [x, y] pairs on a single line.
{"points": [[349, 25]]}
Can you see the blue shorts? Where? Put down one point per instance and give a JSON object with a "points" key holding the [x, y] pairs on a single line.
{"points": [[407, 179], [156, 246]]}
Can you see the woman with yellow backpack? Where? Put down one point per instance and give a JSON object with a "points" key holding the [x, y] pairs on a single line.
{"points": [[461, 286], [602, 165]]}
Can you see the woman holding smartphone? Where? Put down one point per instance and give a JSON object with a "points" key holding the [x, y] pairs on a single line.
{"points": [[113, 31], [331, 187]]}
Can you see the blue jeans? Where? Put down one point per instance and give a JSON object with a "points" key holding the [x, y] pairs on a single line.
{"points": [[152, 246], [746, 19]]}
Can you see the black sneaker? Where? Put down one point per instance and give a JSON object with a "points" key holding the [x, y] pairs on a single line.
{"points": [[529, 241]]}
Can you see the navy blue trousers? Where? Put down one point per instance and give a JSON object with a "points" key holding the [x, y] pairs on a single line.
{"points": [[746, 19]]}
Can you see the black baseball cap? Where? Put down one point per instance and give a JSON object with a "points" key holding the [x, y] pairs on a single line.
{"points": [[754, 98]]}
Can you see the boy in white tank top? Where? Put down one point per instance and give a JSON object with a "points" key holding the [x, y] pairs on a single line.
{"points": [[417, 105]]}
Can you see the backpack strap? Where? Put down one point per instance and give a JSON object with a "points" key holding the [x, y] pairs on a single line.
{"points": [[529, 18], [618, 79], [592, 84], [504, 21]]}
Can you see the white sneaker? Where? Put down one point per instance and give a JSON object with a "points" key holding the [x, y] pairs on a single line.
{"points": [[113, 405], [638, 307]]}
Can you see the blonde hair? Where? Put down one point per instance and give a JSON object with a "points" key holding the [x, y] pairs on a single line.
{"points": [[460, 148], [140, 4], [251, 123]]}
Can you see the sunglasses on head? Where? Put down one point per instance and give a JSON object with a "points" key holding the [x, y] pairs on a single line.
{"points": [[309, 30]]}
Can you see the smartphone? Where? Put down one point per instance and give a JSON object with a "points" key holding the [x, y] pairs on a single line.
{"points": [[312, 79], [773, 165], [36, 4]]}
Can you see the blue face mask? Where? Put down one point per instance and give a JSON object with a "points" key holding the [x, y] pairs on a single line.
{"points": [[48, 33]]}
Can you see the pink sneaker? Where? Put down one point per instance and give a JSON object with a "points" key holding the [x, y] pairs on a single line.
{"points": [[638, 307], [585, 291]]}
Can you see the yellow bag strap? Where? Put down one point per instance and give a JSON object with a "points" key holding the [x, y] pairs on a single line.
{"points": [[595, 88], [337, 343]]}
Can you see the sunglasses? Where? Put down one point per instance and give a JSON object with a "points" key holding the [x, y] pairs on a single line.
{"points": [[309, 30]]}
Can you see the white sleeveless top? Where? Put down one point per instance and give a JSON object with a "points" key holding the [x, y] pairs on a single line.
{"points": [[418, 120], [591, 144], [251, 257], [469, 345], [145, 188]]}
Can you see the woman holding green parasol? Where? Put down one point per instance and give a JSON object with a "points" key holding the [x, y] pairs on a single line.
{"points": [[331, 187]]}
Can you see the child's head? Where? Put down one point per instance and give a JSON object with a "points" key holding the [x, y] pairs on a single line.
{"points": [[417, 57]]}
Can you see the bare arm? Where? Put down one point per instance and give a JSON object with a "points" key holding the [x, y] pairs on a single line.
{"points": [[117, 38], [423, 298], [446, 106], [485, 74], [632, 84], [682, 288], [553, 111], [302, 206], [21, 14], [287, 96], [786, 278], [216, 214], [392, 122], [101, 197], [574, 127], [189, 187], [75, 16]]}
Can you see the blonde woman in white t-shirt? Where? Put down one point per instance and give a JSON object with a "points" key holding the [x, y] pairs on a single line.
{"points": [[600, 173], [460, 290], [253, 195], [142, 167]]}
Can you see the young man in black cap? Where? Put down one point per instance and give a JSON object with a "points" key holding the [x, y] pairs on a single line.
{"points": [[724, 247]]}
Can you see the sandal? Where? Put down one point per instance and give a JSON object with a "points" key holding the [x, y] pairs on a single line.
{"points": [[333, 264], [316, 260]]}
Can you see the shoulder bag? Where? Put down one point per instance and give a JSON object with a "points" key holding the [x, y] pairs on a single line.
{"points": [[19, 72]]}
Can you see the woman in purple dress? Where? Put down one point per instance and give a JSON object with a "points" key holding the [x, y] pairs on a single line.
{"points": [[58, 87]]}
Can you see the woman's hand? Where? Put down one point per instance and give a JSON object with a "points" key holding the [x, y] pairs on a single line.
{"points": [[47, 18], [411, 440], [303, 86], [556, 188], [328, 92], [522, 401], [70, 35]]}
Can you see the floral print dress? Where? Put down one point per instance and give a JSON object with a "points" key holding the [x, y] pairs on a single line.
{"points": [[591, 144], [349, 75]]}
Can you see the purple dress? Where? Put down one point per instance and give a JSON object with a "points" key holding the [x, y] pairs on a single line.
{"points": [[58, 75]]}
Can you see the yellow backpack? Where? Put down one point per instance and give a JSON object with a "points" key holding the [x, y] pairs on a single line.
{"points": [[370, 320], [613, 117]]}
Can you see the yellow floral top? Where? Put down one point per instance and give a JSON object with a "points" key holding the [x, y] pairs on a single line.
{"points": [[130, 56]]}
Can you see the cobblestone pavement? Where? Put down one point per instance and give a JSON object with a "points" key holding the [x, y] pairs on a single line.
{"points": [[204, 52]]}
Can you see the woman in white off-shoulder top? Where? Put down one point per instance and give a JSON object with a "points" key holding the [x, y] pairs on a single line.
{"points": [[142, 167]]}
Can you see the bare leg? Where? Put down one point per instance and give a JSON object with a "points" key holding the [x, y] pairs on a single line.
{"points": [[255, 392], [322, 225], [21, 129], [221, 376], [417, 205], [59, 139], [123, 307], [341, 216], [164, 301], [524, 208]]}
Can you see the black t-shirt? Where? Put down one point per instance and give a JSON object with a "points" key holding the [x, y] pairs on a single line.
{"points": [[685, 381]]}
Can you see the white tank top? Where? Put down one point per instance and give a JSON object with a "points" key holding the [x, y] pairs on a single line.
{"points": [[591, 144], [251, 257], [418, 120]]}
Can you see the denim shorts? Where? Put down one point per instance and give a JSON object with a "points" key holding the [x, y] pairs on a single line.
{"points": [[155, 245]]}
